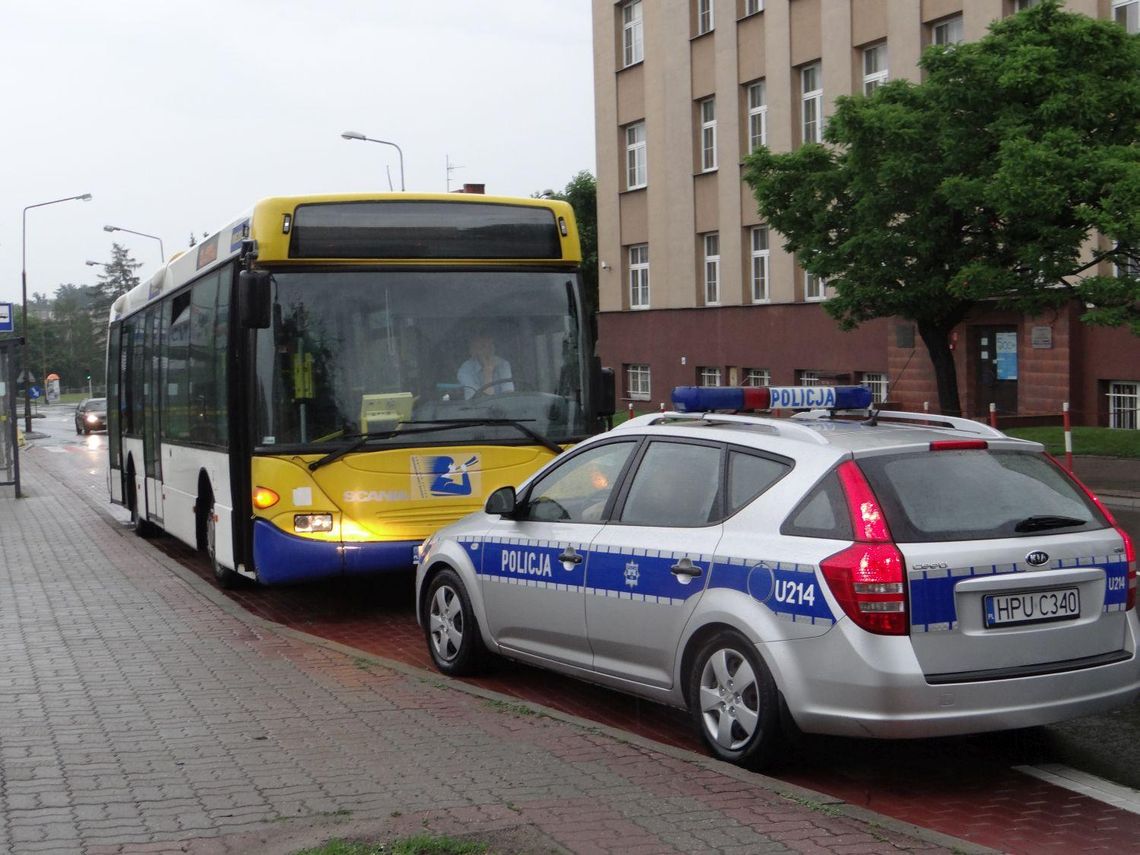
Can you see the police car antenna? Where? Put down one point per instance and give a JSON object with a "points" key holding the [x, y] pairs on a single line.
{"points": [[873, 419]]}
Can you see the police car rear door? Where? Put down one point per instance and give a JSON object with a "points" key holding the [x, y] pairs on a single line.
{"points": [[649, 566], [534, 565]]}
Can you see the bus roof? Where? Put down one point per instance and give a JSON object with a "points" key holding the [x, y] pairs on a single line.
{"points": [[414, 226]]}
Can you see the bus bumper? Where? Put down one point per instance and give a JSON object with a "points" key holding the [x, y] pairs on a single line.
{"points": [[282, 559]]}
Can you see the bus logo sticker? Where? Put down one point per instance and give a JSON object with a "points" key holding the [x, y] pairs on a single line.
{"points": [[442, 476]]}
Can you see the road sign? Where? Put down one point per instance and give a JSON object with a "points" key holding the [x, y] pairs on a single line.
{"points": [[7, 323]]}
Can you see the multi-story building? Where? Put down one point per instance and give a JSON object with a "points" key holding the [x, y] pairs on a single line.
{"points": [[694, 287]]}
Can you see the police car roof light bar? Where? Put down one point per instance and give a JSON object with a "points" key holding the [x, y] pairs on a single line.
{"points": [[706, 398]]}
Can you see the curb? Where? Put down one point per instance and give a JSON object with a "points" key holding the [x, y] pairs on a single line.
{"points": [[801, 796]]}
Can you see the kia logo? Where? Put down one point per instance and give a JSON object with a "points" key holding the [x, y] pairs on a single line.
{"points": [[1037, 558]]}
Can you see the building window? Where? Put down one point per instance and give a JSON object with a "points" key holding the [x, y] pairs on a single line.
{"points": [[1022, 5], [704, 17], [757, 377], [708, 376], [635, 166], [947, 31], [751, 7], [807, 378], [1127, 14], [757, 116], [874, 68], [637, 382], [632, 44], [877, 383], [811, 103], [1127, 262], [815, 287], [712, 269], [708, 134], [1124, 405], [639, 276], [759, 271]]}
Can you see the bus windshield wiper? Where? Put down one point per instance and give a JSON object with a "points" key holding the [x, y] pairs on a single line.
{"points": [[544, 441], [360, 440], [1042, 523]]}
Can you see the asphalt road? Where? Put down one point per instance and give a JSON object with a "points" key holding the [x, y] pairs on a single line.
{"points": [[1107, 746]]}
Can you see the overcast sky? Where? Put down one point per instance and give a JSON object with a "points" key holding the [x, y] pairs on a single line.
{"points": [[177, 116]]}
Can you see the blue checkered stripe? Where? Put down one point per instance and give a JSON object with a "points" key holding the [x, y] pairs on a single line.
{"points": [[642, 575], [932, 591], [789, 590]]}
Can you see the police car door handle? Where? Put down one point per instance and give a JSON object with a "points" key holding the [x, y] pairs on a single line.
{"points": [[570, 556], [685, 567]]}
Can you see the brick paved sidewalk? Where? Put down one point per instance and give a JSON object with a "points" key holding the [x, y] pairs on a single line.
{"points": [[140, 711]]}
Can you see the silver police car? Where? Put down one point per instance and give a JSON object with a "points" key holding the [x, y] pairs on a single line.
{"points": [[896, 575]]}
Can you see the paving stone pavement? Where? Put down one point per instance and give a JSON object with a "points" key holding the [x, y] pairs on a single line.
{"points": [[142, 712]]}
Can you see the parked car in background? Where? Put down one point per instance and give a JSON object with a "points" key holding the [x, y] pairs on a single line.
{"points": [[91, 414]]}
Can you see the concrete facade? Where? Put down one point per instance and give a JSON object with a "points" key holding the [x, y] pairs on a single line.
{"points": [[678, 335]]}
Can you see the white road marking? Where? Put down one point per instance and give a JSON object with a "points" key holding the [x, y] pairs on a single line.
{"points": [[1116, 795]]}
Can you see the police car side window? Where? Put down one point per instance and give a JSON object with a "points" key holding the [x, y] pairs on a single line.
{"points": [[749, 475], [822, 513], [579, 489], [676, 484]]}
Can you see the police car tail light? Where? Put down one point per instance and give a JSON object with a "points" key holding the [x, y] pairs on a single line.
{"points": [[958, 444], [868, 578], [1129, 548]]}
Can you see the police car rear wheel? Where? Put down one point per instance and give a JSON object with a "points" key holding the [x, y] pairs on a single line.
{"points": [[733, 701], [452, 633]]}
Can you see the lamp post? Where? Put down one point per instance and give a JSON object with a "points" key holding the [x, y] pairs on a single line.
{"points": [[161, 252], [353, 135], [85, 197]]}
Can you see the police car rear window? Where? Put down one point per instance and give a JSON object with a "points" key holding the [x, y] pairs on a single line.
{"points": [[977, 495]]}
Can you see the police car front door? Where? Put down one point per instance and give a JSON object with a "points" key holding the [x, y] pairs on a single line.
{"points": [[533, 568], [649, 566]]}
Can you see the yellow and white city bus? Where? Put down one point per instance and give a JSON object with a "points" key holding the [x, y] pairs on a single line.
{"points": [[309, 392]]}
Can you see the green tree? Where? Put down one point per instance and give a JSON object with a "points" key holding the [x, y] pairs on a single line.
{"points": [[1007, 176], [582, 194], [117, 278]]}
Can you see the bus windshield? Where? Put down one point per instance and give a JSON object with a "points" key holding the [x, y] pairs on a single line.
{"points": [[352, 353]]}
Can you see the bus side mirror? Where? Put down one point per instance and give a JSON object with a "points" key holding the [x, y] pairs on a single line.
{"points": [[502, 502], [605, 395], [254, 299]]}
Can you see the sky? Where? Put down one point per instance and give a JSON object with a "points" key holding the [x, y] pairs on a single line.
{"points": [[177, 116]]}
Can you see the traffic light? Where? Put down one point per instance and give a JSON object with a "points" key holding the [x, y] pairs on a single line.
{"points": [[88, 375]]}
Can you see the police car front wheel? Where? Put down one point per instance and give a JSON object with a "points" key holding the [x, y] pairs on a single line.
{"points": [[453, 635], [733, 700]]}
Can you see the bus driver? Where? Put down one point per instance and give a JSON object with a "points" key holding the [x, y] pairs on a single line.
{"points": [[485, 373]]}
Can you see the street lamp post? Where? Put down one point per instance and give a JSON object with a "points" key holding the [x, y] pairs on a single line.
{"points": [[161, 252], [353, 135], [85, 197]]}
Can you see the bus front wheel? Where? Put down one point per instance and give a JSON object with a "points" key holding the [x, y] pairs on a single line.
{"points": [[225, 577]]}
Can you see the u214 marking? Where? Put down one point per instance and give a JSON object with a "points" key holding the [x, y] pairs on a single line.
{"points": [[795, 593]]}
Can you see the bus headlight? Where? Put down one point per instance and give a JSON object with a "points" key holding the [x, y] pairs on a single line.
{"points": [[308, 523]]}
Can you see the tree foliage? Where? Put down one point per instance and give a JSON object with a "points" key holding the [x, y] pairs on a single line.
{"points": [[118, 277], [990, 180]]}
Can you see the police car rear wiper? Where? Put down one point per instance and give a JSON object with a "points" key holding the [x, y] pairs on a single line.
{"points": [[1043, 523], [362, 439], [518, 425]]}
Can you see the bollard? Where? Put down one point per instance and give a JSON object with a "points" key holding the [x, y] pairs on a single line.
{"points": [[926, 406], [1068, 436], [993, 415], [630, 410], [662, 406]]}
